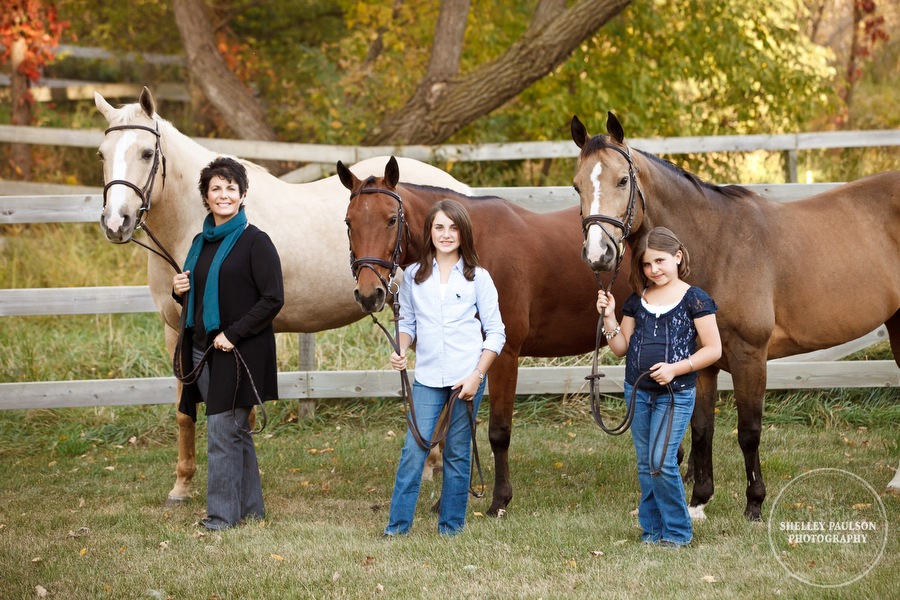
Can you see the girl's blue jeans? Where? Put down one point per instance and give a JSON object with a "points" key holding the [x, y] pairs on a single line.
{"points": [[662, 512], [428, 403]]}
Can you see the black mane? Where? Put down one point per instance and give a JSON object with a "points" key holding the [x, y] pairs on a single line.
{"points": [[600, 142]]}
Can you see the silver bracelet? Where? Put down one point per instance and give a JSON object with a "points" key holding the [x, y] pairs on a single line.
{"points": [[610, 334], [690, 362]]}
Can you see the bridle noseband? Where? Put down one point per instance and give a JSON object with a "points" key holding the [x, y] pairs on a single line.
{"points": [[626, 225], [370, 262]]}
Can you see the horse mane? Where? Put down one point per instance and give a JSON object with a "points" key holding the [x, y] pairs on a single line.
{"points": [[600, 142], [445, 191]]}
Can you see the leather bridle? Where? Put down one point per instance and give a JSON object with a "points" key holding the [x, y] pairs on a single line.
{"points": [[625, 225], [145, 193]]}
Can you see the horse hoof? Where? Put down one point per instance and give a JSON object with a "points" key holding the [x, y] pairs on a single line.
{"points": [[698, 513], [172, 501]]}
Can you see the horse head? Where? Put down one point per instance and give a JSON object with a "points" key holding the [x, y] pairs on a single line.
{"points": [[606, 181], [376, 228], [132, 165]]}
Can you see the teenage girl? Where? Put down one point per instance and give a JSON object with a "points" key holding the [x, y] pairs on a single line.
{"points": [[446, 301], [669, 331]]}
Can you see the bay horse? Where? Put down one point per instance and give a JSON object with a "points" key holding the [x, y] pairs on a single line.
{"points": [[548, 296], [788, 277], [151, 171]]}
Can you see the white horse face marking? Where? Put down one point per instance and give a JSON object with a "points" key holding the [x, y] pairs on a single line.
{"points": [[117, 195], [593, 243]]}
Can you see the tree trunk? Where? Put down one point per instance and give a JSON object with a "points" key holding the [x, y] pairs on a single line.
{"points": [[234, 101], [430, 118], [21, 108]]}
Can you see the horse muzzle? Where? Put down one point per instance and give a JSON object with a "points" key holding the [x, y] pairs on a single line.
{"points": [[372, 302], [118, 229], [600, 256]]}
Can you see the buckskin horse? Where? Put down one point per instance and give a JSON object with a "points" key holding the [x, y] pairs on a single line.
{"points": [[548, 296], [151, 170], [788, 277]]}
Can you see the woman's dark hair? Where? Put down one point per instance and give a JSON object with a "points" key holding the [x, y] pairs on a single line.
{"points": [[228, 169], [661, 240], [457, 213]]}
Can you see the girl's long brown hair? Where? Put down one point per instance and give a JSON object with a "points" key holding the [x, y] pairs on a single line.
{"points": [[457, 213], [662, 240]]}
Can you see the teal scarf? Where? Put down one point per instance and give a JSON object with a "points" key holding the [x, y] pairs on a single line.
{"points": [[229, 232]]}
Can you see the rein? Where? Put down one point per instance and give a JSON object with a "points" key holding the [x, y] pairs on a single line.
{"points": [[391, 287], [625, 226], [145, 194]]}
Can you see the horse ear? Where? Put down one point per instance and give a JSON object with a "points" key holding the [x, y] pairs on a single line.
{"points": [[615, 128], [347, 177], [103, 106], [392, 173], [579, 132], [146, 101]]}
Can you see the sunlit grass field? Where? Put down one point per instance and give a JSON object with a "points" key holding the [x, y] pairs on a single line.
{"points": [[82, 511]]}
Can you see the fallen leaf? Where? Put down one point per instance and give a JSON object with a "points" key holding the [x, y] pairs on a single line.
{"points": [[572, 434], [335, 576], [379, 588], [109, 468], [52, 463], [277, 557], [36, 559], [478, 514], [41, 591], [83, 552], [132, 440], [862, 506], [709, 579], [596, 552], [571, 562], [164, 544], [558, 465], [369, 561]]}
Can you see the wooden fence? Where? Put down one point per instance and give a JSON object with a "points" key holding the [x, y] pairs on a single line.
{"points": [[816, 370]]}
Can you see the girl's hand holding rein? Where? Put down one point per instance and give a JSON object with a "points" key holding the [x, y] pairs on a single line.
{"points": [[398, 362], [606, 301]]}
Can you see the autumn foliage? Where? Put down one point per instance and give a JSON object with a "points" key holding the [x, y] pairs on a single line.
{"points": [[36, 23]]}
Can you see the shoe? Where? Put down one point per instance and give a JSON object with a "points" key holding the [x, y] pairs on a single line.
{"points": [[670, 545]]}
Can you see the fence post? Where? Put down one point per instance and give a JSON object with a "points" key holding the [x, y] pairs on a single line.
{"points": [[306, 348], [790, 165]]}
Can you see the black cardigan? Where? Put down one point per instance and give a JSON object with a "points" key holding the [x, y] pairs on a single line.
{"points": [[251, 292]]}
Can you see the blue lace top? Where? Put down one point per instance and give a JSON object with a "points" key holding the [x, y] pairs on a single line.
{"points": [[668, 338]]}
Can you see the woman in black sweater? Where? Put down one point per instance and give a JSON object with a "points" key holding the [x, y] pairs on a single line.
{"points": [[232, 289]]}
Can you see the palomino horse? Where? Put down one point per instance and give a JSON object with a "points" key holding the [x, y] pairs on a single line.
{"points": [[151, 172], [788, 278], [548, 296]]}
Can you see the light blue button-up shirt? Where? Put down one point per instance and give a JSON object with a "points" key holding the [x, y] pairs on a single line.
{"points": [[447, 333]]}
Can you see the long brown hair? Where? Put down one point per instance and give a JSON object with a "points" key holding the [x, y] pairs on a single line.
{"points": [[661, 240], [457, 213]]}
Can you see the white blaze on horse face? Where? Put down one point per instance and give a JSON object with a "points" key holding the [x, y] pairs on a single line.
{"points": [[593, 242], [115, 199]]}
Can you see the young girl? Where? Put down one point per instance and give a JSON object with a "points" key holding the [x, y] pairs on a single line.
{"points": [[446, 299], [660, 330]]}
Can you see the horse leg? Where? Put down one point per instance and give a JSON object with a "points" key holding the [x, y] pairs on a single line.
{"points": [[893, 327], [187, 459], [504, 375], [700, 465], [749, 376]]}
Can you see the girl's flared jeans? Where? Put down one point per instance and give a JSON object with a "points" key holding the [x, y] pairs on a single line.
{"points": [[662, 512], [428, 403]]}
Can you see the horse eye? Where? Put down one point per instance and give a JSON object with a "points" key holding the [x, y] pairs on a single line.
{"points": [[392, 221], [623, 182], [147, 154], [100, 155], [577, 191], [347, 223]]}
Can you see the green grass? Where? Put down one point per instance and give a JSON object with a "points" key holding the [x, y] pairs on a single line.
{"points": [[82, 514]]}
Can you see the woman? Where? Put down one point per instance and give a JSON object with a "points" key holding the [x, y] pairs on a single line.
{"points": [[446, 301], [231, 290]]}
